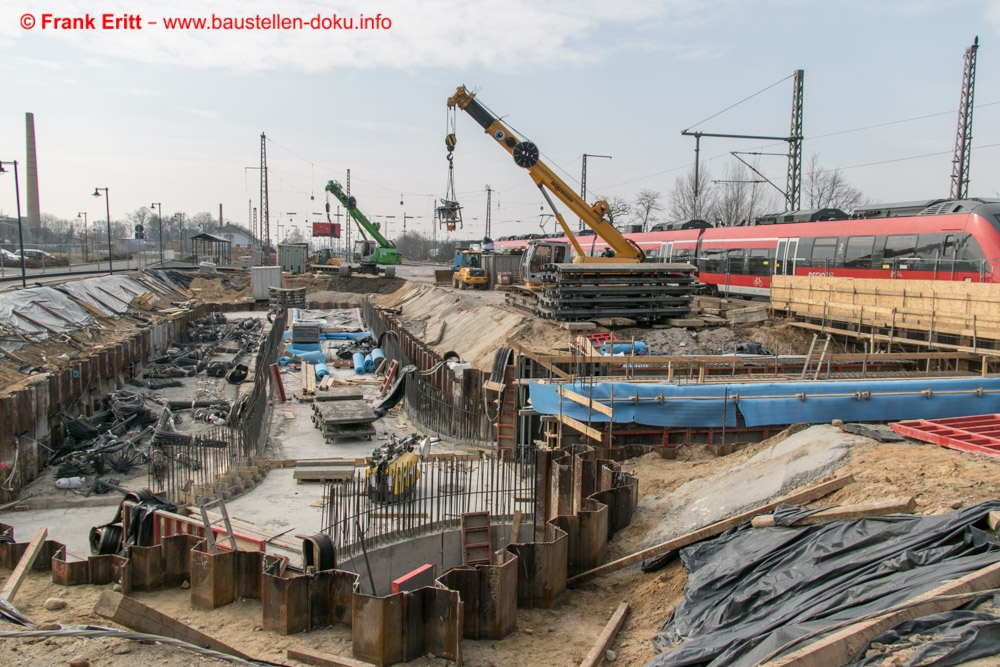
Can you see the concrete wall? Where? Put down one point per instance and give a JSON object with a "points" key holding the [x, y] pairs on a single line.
{"points": [[442, 550]]}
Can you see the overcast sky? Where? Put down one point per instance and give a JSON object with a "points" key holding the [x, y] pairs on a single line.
{"points": [[175, 116]]}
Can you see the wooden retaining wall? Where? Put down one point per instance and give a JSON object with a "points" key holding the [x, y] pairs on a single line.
{"points": [[955, 315]]}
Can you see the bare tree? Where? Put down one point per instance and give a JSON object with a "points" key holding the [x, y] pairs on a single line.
{"points": [[828, 188], [201, 222], [618, 210], [140, 216], [742, 196], [647, 202], [685, 204]]}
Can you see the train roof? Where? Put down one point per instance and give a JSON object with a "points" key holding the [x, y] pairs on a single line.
{"points": [[810, 215], [924, 207]]}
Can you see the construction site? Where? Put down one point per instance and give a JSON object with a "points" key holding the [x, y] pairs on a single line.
{"points": [[766, 444], [534, 493]]}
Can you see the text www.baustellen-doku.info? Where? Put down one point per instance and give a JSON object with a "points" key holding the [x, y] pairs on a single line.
{"points": [[276, 21]]}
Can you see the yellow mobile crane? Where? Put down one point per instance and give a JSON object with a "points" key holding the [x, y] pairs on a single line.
{"points": [[585, 287]]}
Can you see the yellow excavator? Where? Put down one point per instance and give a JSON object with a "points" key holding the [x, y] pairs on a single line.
{"points": [[561, 281]]}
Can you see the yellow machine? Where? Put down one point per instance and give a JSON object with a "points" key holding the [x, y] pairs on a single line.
{"points": [[324, 257], [582, 287], [393, 472], [468, 271]]}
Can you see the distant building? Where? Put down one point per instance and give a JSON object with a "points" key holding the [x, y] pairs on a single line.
{"points": [[238, 236]]}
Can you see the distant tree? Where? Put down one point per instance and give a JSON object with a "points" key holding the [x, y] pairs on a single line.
{"points": [[685, 204], [198, 223], [618, 210], [828, 188], [646, 204], [413, 246], [140, 216], [52, 230], [740, 197]]}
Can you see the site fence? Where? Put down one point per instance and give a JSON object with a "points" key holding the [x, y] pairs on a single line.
{"points": [[196, 467], [446, 487], [448, 403]]}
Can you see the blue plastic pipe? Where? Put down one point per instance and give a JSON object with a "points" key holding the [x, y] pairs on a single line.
{"points": [[359, 363]]}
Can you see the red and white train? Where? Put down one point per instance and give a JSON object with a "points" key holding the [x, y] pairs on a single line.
{"points": [[926, 240]]}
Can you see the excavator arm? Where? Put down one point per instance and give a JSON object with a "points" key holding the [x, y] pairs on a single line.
{"points": [[364, 223], [526, 155]]}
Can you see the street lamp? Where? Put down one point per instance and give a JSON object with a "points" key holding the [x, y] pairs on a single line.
{"points": [[159, 217], [20, 233], [107, 205], [85, 241]]}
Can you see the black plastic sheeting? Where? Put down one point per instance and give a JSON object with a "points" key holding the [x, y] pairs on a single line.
{"points": [[939, 640], [751, 591]]}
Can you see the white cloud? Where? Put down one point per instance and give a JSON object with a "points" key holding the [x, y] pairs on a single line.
{"points": [[38, 62], [450, 33], [201, 113]]}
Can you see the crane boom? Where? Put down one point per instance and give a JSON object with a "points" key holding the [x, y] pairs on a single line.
{"points": [[370, 254], [526, 155], [351, 205]]}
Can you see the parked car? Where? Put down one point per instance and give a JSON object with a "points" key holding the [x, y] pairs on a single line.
{"points": [[8, 256], [32, 253]]}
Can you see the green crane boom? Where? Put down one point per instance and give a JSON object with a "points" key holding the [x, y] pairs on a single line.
{"points": [[385, 251]]}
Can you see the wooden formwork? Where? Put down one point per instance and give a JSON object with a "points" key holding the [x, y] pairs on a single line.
{"points": [[966, 311]]}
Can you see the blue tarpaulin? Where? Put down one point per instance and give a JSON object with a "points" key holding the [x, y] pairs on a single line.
{"points": [[774, 403]]}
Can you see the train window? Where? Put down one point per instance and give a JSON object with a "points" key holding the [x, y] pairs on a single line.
{"points": [[948, 247], [970, 255], [900, 246], [929, 247], [824, 251], [759, 262], [683, 255], [712, 261], [859, 252], [734, 260]]}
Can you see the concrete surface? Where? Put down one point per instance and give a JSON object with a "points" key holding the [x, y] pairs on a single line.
{"points": [[801, 459]]}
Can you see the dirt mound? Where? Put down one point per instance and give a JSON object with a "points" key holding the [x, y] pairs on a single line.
{"points": [[779, 336], [222, 287], [472, 324], [317, 282]]}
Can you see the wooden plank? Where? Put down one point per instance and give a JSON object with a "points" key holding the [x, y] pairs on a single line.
{"points": [[606, 638], [490, 385], [799, 497], [846, 513], [591, 433], [841, 647], [344, 412], [340, 393], [515, 527], [585, 402], [325, 660], [133, 614], [24, 565]]}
